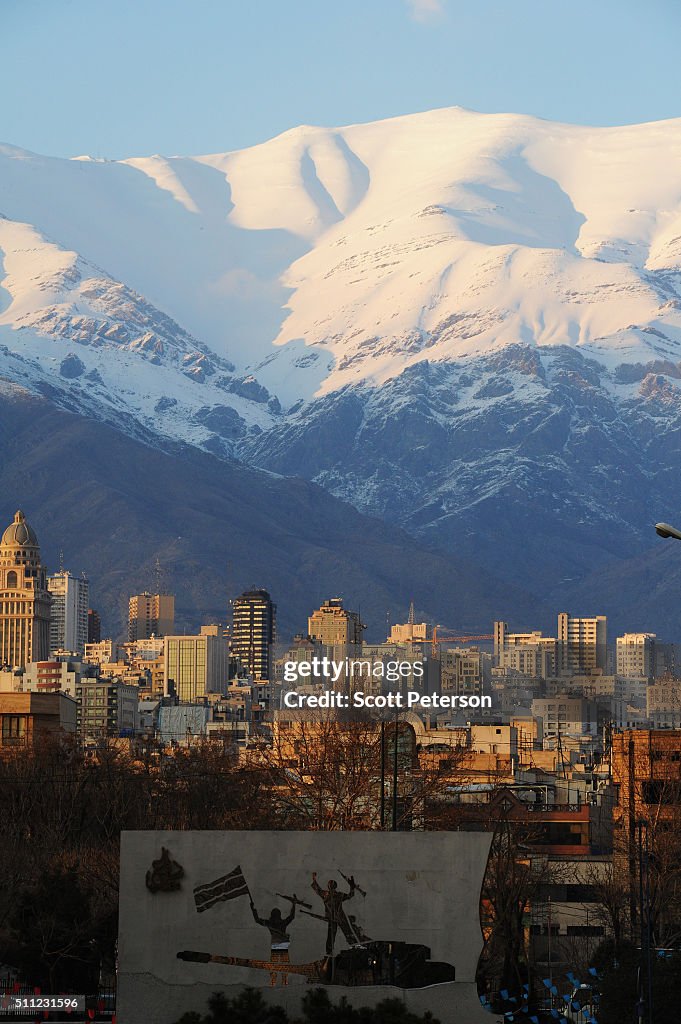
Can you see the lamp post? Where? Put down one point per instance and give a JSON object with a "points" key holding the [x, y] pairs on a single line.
{"points": [[667, 531]]}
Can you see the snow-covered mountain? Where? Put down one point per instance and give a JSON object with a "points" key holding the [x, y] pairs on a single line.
{"points": [[360, 251], [469, 324]]}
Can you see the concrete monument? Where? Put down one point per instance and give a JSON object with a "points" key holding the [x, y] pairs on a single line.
{"points": [[367, 915]]}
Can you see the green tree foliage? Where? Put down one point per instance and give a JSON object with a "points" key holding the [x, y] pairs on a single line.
{"points": [[319, 1009], [618, 968], [250, 1008], [619, 975]]}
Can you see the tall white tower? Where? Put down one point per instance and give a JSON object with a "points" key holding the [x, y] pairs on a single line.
{"points": [[68, 621]]}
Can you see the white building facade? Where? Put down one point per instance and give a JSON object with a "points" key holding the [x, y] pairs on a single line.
{"points": [[68, 615]]}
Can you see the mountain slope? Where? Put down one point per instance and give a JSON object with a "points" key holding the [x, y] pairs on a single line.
{"points": [[523, 462], [114, 505]]}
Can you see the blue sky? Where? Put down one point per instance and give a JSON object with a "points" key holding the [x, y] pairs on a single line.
{"points": [[119, 78]]}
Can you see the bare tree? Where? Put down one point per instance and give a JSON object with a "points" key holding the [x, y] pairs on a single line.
{"points": [[326, 772], [511, 885], [323, 773]]}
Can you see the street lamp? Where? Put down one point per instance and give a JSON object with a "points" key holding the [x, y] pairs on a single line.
{"points": [[667, 531]]}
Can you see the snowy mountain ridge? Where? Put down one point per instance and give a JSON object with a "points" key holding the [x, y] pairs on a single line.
{"points": [[117, 357], [327, 257]]}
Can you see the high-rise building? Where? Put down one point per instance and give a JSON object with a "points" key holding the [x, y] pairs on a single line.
{"points": [[465, 670], [582, 645], [503, 640], [101, 652], [150, 615], [253, 632], [48, 676], [566, 716], [69, 612], [106, 707], [24, 597], [531, 654], [195, 666], [94, 626], [636, 655], [334, 625]]}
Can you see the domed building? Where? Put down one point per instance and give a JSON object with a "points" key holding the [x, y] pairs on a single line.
{"points": [[24, 597]]}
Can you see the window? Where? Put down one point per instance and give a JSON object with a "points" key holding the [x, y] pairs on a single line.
{"points": [[571, 892], [13, 728], [563, 833], [660, 791]]}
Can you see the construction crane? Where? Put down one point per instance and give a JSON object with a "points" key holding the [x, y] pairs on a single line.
{"points": [[451, 635]]}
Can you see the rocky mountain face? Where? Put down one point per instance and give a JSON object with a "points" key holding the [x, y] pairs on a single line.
{"points": [[114, 505], [465, 326], [541, 467]]}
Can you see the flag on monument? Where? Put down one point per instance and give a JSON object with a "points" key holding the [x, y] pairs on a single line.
{"points": [[226, 888]]}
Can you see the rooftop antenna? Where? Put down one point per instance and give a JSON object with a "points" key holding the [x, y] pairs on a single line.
{"points": [[560, 752], [411, 613], [61, 559], [159, 576]]}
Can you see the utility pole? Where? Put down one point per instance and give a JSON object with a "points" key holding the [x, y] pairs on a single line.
{"points": [[560, 753]]}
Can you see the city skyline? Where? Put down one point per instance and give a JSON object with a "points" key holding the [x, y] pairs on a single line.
{"points": [[151, 612], [340, 406]]}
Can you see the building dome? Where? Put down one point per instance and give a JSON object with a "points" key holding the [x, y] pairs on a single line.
{"points": [[19, 534]]}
